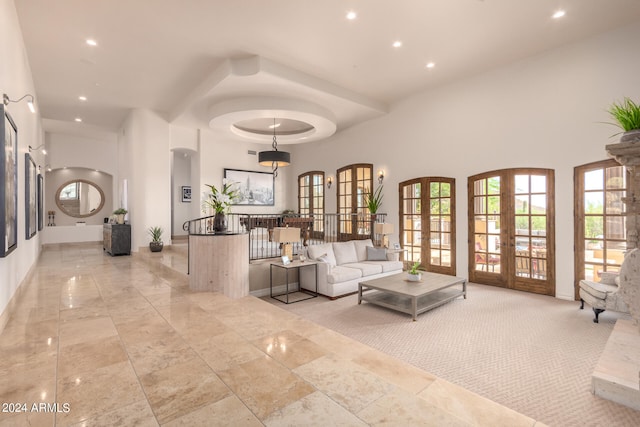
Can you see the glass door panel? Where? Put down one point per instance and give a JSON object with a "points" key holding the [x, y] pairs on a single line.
{"points": [[600, 232], [512, 216]]}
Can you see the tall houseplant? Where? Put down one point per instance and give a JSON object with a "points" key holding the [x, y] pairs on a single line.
{"points": [[220, 201], [626, 115], [373, 200]]}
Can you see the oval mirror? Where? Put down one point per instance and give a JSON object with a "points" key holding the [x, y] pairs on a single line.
{"points": [[80, 198]]}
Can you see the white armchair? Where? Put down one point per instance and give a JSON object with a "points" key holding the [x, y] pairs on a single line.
{"points": [[602, 295]]}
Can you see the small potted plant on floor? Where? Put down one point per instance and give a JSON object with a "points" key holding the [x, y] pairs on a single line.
{"points": [[120, 213], [156, 239], [414, 274]]}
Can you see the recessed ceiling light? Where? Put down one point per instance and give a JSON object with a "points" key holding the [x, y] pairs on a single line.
{"points": [[397, 43], [82, 98], [558, 14], [351, 15], [430, 65], [78, 119], [277, 125], [92, 42]]}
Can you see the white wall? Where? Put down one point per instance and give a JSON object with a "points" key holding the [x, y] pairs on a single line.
{"points": [[144, 150], [546, 111], [16, 81]]}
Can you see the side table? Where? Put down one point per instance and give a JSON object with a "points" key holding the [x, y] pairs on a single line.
{"points": [[294, 265]]}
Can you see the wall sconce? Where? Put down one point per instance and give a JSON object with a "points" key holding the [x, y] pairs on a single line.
{"points": [[380, 176], [6, 100], [329, 182], [43, 151]]}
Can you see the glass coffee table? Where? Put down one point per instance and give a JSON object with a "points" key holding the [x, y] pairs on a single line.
{"points": [[397, 293]]}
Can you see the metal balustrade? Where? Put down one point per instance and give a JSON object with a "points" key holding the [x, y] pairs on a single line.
{"points": [[314, 229]]}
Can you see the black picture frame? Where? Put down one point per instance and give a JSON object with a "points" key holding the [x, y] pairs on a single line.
{"points": [[9, 189], [40, 202], [186, 194], [254, 188], [30, 197]]}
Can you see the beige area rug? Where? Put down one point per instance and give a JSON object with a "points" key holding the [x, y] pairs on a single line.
{"points": [[532, 353]]}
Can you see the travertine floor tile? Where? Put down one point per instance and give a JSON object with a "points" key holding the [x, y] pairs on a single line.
{"points": [[290, 349], [182, 388], [137, 414], [264, 385], [470, 407], [229, 411], [95, 393], [78, 331], [89, 356], [401, 408], [225, 351], [315, 409], [349, 384]]}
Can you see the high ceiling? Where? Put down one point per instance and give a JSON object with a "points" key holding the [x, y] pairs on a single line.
{"points": [[206, 62]]}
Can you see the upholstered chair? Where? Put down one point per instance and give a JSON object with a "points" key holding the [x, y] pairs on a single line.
{"points": [[602, 295]]}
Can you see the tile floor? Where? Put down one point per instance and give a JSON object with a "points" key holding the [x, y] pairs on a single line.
{"points": [[123, 341]]}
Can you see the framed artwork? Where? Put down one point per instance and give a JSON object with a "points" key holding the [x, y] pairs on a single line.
{"points": [[9, 187], [186, 194], [254, 188], [40, 202], [285, 260], [30, 197]]}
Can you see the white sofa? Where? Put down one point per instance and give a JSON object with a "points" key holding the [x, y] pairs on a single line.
{"points": [[344, 264]]}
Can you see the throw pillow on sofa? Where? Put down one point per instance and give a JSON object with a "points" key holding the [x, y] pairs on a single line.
{"points": [[376, 254]]}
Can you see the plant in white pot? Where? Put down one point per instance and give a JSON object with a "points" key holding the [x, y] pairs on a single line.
{"points": [[156, 244], [626, 115], [414, 275], [120, 213]]}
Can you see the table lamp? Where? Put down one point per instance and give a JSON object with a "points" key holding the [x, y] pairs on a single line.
{"points": [[384, 229], [286, 236]]}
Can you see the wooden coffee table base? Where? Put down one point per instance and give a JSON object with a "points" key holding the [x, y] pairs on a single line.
{"points": [[413, 298]]}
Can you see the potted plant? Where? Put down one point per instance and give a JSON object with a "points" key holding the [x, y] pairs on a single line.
{"points": [[414, 274], [626, 115], [373, 200], [219, 201], [120, 213], [155, 245]]}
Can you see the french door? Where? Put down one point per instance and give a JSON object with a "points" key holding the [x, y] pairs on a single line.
{"points": [[511, 229], [600, 223], [354, 181], [427, 223], [311, 200]]}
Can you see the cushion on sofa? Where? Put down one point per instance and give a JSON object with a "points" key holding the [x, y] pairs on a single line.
{"points": [[343, 274], [316, 251], [361, 248], [367, 269], [345, 252], [387, 265], [376, 254]]}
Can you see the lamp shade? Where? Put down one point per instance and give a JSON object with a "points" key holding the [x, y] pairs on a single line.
{"points": [[286, 234], [383, 228], [267, 158]]}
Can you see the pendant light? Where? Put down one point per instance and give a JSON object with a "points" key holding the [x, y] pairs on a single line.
{"points": [[274, 158]]}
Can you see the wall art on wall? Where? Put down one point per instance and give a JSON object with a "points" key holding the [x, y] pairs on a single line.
{"points": [[30, 197], [40, 202], [186, 194], [9, 187], [254, 188]]}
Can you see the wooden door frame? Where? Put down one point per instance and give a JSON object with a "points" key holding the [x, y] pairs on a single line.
{"points": [[425, 218], [354, 197], [579, 218], [316, 234], [507, 277]]}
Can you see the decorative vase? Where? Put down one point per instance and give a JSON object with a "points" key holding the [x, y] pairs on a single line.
{"points": [[631, 136], [156, 246], [120, 218], [414, 277], [219, 222]]}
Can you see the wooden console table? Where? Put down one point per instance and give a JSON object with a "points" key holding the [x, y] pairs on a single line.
{"points": [[219, 263]]}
